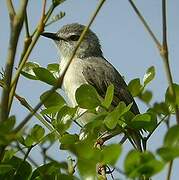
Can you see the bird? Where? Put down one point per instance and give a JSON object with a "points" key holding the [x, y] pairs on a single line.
{"points": [[89, 66]]}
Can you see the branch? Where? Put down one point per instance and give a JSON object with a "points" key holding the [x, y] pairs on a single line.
{"points": [[164, 54], [28, 46], [11, 10], [16, 26], [147, 27], [169, 170]]}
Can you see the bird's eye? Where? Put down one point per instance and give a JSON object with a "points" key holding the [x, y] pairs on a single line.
{"points": [[74, 37]]}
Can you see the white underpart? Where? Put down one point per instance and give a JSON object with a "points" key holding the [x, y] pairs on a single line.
{"points": [[73, 79]]}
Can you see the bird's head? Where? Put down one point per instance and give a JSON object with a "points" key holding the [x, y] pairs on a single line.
{"points": [[67, 37]]}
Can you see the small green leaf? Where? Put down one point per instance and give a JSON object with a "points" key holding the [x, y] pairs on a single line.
{"points": [[169, 98], [28, 72], [137, 164], [49, 171], [52, 111], [37, 132], [172, 137], [87, 168], [69, 139], [108, 97], [53, 99], [21, 169], [64, 119], [146, 96], [7, 126], [5, 168], [161, 108], [54, 69], [149, 75], [108, 157], [112, 119], [141, 121], [45, 75], [87, 97], [168, 153], [8, 154], [135, 87], [57, 2]]}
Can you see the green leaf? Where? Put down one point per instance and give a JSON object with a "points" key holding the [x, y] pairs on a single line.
{"points": [[49, 171], [87, 168], [36, 134], [45, 75], [169, 98], [51, 110], [137, 164], [168, 153], [52, 99], [68, 140], [141, 121], [172, 137], [161, 108], [54, 69], [149, 75], [57, 2], [108, 97], [21, 169], [87, 97], [64, 119], [8, 154], [112, 119], [146, 96], [108, 157], [7, 126], [28, 72], [5, 168], [135, 87]]}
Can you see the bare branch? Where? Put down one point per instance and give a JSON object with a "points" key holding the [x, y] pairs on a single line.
{"points": [[11, 10], [145, 24], [16, 26]]}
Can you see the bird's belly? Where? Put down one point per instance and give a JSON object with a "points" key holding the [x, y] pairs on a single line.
{"points": [[73, 79]]}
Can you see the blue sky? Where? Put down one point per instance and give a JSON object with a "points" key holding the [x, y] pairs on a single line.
{"points": [[125, 43]]}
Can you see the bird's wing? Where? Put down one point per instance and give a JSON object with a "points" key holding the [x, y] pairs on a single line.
{"points": [[100, 73]]}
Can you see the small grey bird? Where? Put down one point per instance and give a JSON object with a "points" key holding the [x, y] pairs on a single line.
{"points": [[88, 66]]}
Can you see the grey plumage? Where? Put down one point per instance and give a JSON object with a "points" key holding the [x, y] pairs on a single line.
{"points": [[89, 66]]}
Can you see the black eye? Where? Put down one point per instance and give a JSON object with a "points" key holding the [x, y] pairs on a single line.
{"points": [[74, 37]]}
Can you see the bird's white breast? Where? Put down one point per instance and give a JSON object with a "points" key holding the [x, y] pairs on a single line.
{"points": [[73, 78]]}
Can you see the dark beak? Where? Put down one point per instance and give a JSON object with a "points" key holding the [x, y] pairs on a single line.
{"points": [[51, 36]]}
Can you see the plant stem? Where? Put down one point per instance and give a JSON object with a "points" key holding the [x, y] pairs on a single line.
{"points": [[147, 27], [16, 22], [169, 170], [164, 54], [27, 48]]}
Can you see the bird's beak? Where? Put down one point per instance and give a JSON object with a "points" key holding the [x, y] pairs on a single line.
{"points": [[51, 36]]}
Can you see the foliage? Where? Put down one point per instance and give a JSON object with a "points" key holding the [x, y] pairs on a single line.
{"points": [[90, 156]]}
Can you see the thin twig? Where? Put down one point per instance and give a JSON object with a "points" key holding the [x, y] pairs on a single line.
{"points": [[169, 170], [26, 25], [145, 24], [23, 152], [11, 9], [28, 47], [156, 127], [164, 54], [16, 26], [60, 80]]}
